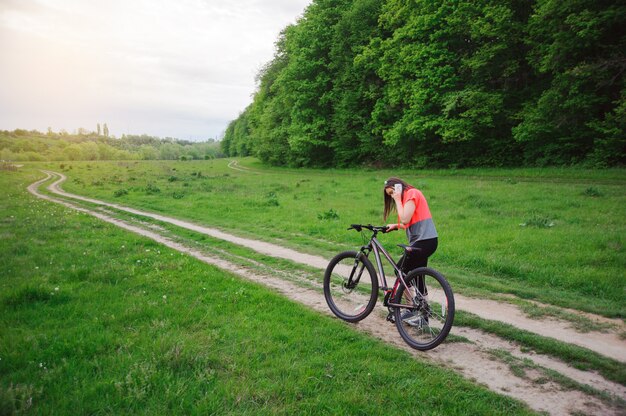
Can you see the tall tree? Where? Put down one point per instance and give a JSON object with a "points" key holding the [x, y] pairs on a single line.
{"points": [[270, 113], [356, 86], [577, 48], [308, 83], [448, 68]]}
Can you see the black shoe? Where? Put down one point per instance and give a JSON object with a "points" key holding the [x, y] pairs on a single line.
{"points": [[391, 317]]}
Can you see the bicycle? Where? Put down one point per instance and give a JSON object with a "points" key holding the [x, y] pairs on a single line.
{"points": [[421, 303]]}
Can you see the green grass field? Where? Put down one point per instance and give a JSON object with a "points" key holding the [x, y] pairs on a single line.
{"points": [[554, 235], [95, 320]]}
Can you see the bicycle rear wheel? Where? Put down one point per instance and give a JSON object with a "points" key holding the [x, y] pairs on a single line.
{"points": [[350, 286], [427, 312]]}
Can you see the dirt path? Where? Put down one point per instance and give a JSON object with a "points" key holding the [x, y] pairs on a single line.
{"points": [[233, 164], [608, 344], [474, 360]]}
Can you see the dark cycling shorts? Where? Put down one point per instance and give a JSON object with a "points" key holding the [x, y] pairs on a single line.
{"points": [[418, 258]]}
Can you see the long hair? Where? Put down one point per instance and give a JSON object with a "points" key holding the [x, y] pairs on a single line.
{"points": [[390, 204]]}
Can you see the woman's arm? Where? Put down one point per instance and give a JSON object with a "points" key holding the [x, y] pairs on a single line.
{"points": [[405, 212]]}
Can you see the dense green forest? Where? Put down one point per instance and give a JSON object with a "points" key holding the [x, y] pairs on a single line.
{"points": [[24, 145], [442, 84]]}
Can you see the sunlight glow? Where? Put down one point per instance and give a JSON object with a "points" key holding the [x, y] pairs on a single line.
{"points": [[182, 69]]}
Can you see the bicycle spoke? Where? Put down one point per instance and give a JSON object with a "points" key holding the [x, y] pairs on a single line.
{"points": [[350, 286], [425, 317]]}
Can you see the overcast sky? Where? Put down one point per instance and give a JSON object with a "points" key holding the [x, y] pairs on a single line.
{"points": [[177, 68]]}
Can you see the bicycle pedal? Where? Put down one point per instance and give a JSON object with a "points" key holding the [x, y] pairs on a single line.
{"points": [[391, 318]]}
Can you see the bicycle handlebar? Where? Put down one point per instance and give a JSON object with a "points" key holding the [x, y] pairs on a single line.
{"points": [[374, 228]]}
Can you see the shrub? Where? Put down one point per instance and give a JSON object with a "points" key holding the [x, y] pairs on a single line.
{"points": [[152, 189], [7, 166], [120, 192], [272, 200], [538, 221], [592, 192], [331, 214]]}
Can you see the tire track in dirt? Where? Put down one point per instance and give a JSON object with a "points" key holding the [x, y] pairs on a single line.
{"points": [[473, 360]]}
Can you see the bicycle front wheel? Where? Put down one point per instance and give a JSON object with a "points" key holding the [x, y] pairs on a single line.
{"points": [[350, 286], [426, 313]]}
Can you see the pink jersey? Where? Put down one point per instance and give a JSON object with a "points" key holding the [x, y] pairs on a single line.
{"points": [[421, 225]]}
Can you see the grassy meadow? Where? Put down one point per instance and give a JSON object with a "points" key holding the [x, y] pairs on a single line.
{"points": [[554, 235], [96, 320]]}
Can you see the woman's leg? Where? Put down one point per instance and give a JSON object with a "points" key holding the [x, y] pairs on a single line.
{"points": [[419, 258]]}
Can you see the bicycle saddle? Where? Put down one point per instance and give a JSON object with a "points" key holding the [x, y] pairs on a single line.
{"points": [[409, 249]]}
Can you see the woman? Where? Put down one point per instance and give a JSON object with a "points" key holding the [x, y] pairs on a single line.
{"points": [[413, 216]]}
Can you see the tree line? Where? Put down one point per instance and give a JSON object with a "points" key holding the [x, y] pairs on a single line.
{"points": [[442, 84], [24, 145]]}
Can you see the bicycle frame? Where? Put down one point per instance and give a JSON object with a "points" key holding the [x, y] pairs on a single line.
{"points": [[375, 246]]}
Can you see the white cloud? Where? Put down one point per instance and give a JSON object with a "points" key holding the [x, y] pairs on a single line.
{"points": [[163, 67]]}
